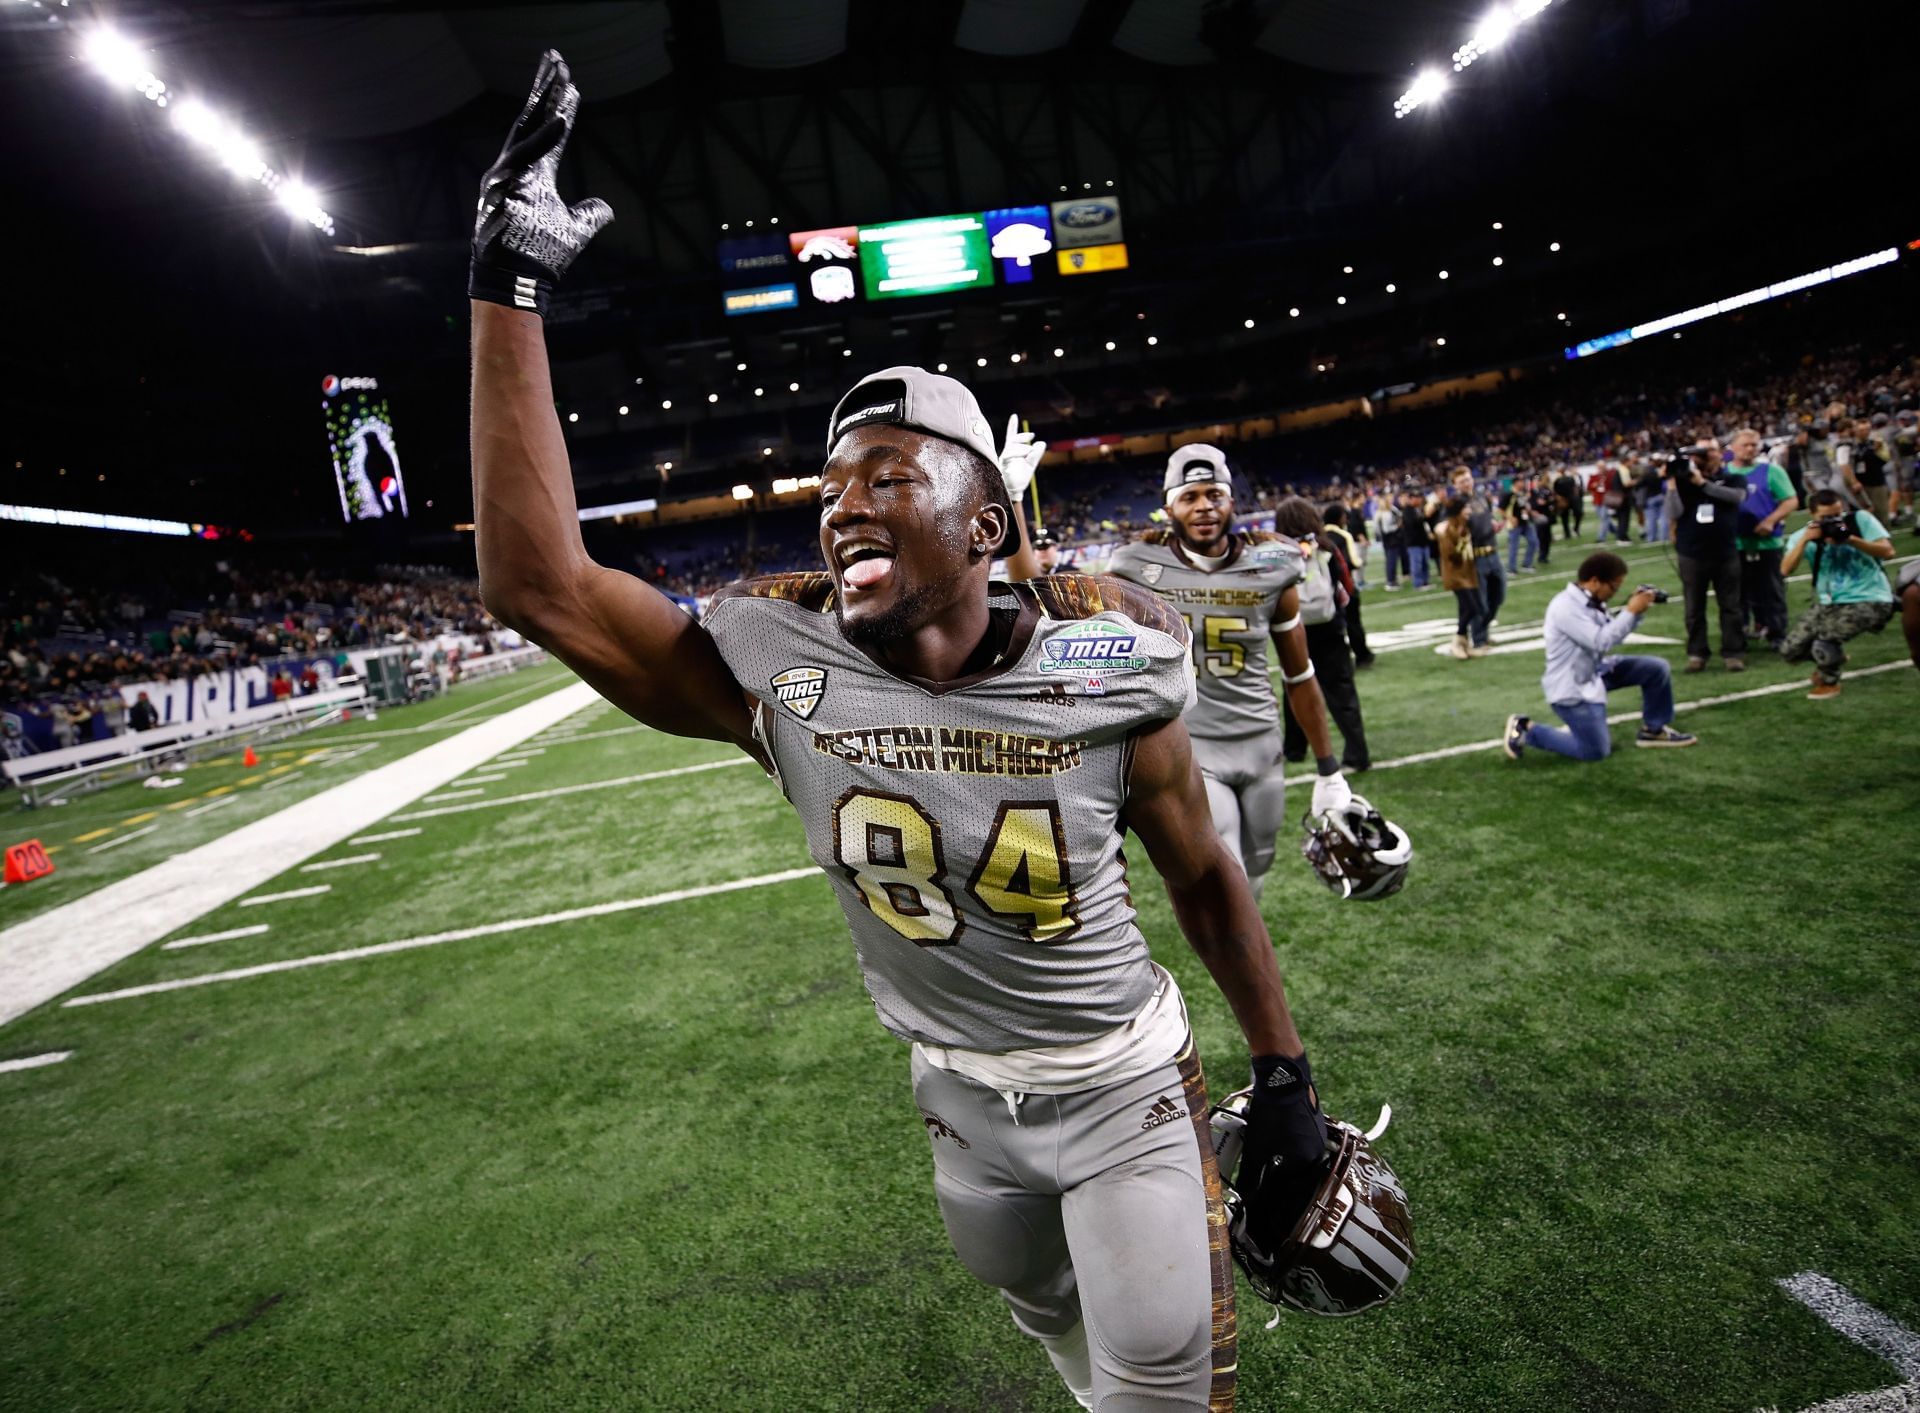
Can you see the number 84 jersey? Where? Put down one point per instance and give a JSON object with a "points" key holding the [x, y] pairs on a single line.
{"points": [[1229, 609], [972, 828]]}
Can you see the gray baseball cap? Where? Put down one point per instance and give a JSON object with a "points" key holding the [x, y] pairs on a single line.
{"points": [[912, 397], [1194, 462]]}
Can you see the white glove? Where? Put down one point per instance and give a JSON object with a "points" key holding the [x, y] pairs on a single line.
{"points": [[1331, 794], [1019, 458]]}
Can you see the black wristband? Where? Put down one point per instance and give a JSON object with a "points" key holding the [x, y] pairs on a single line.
{"points": [[1279, 1079], [498, 286], [1327, 765]]}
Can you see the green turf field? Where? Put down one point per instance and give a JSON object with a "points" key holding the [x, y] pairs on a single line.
{"points": [[1647, 1027]]}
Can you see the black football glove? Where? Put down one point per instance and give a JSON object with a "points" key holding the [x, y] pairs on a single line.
{"points": [[1284, 1151], [525, 236]]}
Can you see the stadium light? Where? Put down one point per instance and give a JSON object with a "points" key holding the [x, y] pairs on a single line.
{"points": [[666, 404], [1152, 340], [759, 392], [1059, 353], [979, 362], [1249, 323], [1346, 269], [1496, 29], [795, 387], [739, 367], [713, 397], [743, 492], [1341, 300], [121, 62], [1110, 345], [1428, 85], [1821, 276], [1554, 248], [766, 451], [1498, 261], [1391, 288], [1499, 225], [623, 409], [941, 368], [1443, 274], [573, 416], [1440, 343], [1293, 313]]}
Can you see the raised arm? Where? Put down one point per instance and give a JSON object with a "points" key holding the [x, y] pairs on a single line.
{"points": [[633, 644]]}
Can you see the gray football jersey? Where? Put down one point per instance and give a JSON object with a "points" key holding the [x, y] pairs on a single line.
{"points": [[971, 831], [1229, 612]]}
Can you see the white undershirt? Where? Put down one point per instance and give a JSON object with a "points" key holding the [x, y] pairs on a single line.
{"points": [[1146, 1042], [1206, 563]]}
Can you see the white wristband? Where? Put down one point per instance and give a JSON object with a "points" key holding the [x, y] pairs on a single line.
{"points": [[1296, 681], [1287, 627]]}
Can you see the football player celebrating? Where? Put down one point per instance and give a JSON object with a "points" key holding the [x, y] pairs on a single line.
{"points": [[965, 756], [1237, 590]]}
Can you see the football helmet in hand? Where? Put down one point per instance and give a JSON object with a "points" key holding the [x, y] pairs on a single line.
{"points": [[1351, 1249], [1357, 853]]}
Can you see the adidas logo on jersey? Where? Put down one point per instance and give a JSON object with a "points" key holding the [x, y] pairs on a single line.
{"points": [[799, 689], [1164, 1111]]}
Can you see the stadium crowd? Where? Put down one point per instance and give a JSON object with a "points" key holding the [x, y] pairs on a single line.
{"points": [[65, 651]]}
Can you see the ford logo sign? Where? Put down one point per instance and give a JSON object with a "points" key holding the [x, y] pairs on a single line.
{"points": [[1086, 215]]}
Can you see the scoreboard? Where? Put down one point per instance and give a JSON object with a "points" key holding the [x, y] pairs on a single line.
{"points": [[838, 265]]}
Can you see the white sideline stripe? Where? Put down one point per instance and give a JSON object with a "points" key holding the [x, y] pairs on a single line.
{"points": [[434, 939], [447, 795], [1619, 716], [602, 735], [339, 863], [34, 1062], [45, 956], [257, 900], [206, 937], [1858, 1321], [210, 805], [1901, 1398], [479, 779], [575, 789], [123, 839], [382, 838]]}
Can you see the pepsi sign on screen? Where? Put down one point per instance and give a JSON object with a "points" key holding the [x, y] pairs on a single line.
{"points": [[1017, 236], [366, 460], [1092, 220]]}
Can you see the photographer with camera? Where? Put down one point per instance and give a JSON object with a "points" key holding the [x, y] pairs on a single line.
{"points": [[1758, 537], [1704, 527], [1851, 595], [1581, 636]]}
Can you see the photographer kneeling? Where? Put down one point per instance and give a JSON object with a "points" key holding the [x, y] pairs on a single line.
{"points": [[1580, 672], [1851, 595]]}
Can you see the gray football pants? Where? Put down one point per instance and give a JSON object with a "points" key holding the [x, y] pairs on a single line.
{"points": [[1102, 1207], [1247, 793]]}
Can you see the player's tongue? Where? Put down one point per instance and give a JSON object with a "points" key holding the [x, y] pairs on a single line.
{"points": [[865, 573]]}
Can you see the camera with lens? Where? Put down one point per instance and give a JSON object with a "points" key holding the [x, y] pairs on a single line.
{"points": [[1700, 456], [1836, 529], [1659, 595]]}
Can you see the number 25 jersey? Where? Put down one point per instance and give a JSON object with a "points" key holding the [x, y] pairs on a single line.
{"points": [[971, 829], [1231, 609]]}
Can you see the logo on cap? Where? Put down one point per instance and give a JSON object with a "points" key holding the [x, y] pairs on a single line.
{"points": [[1199, 471], [879, 412]]}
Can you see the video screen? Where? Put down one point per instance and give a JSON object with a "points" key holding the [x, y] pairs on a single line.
{"points": [[925, 257], [366, 460]]}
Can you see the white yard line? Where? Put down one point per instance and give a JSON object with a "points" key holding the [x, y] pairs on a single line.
{"points": [[123, 839], [291, 893], [210, 805], [449, 795], [479, 779], [283, 779], [206, 937], [34, 1062], [382, 838], [579, 736], [576, 789], [52, 953], [434, 939], [347, 862], [524, 752], [1617, 717], [507, 764], [1858, 1321]]}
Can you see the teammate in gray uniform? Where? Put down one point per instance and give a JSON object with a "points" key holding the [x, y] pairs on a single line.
{"points": [[1237, 591], [965, 756]]}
